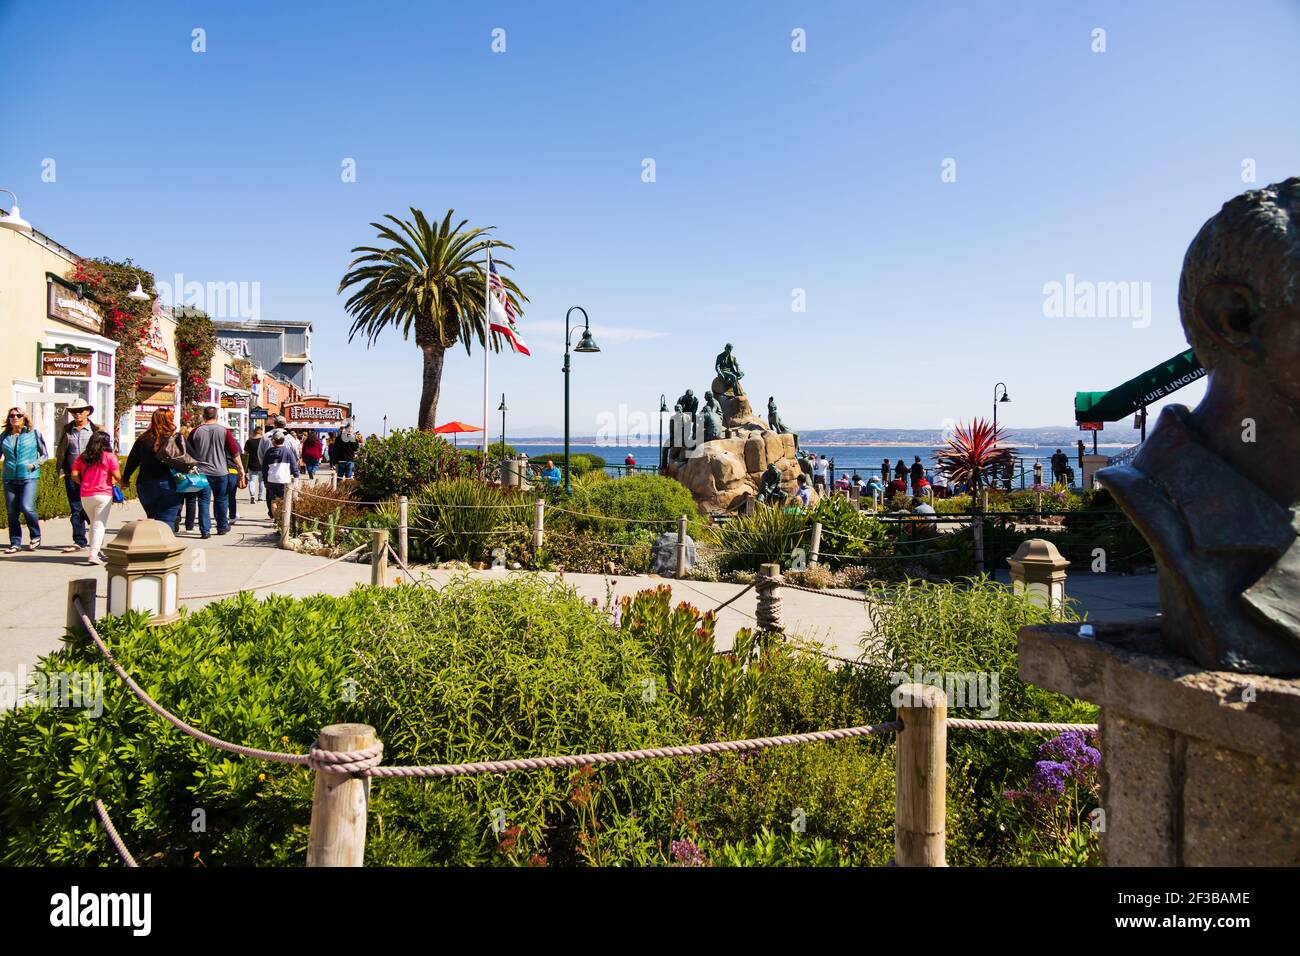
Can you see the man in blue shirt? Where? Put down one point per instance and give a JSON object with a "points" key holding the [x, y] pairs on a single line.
{"points": [[552, 475]]}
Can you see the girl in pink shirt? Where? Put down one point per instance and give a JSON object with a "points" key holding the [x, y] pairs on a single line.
{"points": [[97, 470]]}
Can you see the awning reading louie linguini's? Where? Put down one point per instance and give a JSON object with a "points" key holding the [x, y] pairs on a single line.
{"points": [[1139, 392]]}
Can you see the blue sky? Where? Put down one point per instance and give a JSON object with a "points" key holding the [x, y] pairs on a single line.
{"points": [[774, 171]]}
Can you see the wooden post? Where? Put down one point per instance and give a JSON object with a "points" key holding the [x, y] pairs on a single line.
{"points": [[816, 542], [402, 534], [286, 515], [539, 523], [339, 801], [378, 558], [921, 776], [681, 546], [977, 530], [986, 499], [83, 588], [334, 479]]}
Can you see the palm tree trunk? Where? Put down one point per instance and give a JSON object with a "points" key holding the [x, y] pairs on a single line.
{"points": [[432, 385]]}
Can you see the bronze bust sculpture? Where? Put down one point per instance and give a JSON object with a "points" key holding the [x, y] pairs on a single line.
{"points": [[1216, 491]]}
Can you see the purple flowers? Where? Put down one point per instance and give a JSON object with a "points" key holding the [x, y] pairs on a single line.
{"points": [[687, 853], [1064, 758]]}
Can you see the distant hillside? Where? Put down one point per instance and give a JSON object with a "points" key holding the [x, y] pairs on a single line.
{"points": [[1115, 433]]}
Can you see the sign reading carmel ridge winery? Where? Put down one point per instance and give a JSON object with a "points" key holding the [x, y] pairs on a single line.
{"points": [[65, 362]]}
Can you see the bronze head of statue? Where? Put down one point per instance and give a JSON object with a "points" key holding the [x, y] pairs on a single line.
{"points": [[1216, 491]]}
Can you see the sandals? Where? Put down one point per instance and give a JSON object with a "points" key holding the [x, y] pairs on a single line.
{"points": [[73, 548], [34, 545], [12, 549]]}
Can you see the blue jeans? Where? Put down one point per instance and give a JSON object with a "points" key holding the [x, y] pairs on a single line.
{"points": [[232, 496], [311, 467], [73, 490], [20, 500], [343, 469], [159, 499], [217, 492]]}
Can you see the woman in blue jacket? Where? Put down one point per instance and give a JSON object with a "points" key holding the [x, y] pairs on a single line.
{"points": [[21, 452]]}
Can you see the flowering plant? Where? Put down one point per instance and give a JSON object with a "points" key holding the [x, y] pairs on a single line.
{"points": [[108, 284], [1063, 785]]}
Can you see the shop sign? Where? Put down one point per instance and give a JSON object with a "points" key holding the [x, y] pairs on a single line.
{"points": [[144, 414], [1091, 426], [233, 378], [155, 345], [259, 414], [231, 400], [65, 303], [316, 412], [65, 362], [160, 395]]}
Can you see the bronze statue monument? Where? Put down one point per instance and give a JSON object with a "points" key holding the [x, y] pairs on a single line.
{"points": [[711, 426], [1216, 491], [774, 417], [769, 487], [689, 403], [728, 371]]}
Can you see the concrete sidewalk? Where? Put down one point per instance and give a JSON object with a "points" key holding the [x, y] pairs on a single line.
{"points": [[34, 594]]}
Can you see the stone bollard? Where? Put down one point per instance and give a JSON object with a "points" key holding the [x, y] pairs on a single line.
{"points": [[144, 571], [921, 776], [1038, 571]]}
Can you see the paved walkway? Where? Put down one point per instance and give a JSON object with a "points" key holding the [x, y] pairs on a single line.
{"points": [[34, 596]]}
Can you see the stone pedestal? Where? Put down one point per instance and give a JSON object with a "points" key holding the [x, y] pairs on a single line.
{"points": [[1091, 465], [1199, 767]]}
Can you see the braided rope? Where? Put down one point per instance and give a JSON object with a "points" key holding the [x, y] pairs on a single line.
{"points": [[346, 761], [585, 514], [275, 584], [107, 823], [627, 756], [165, 714], [768, 613], [1026, 726], [822, 592]]}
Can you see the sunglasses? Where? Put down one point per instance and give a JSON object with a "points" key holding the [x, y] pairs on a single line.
{"points": [[15, 415]]}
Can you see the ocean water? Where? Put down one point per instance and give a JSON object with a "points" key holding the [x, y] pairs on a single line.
{"points": [[860, 458]]}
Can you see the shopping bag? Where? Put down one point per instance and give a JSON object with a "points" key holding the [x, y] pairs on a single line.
{"points": [[189, 483]]}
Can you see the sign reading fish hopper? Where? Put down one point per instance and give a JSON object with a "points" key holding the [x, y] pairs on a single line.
{"points": [[318, 413]]}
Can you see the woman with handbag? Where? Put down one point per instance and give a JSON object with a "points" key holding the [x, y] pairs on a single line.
{"points": [[95, 471], [21, 452], [156, 454]]}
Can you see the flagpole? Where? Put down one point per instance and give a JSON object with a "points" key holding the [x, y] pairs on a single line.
{"points": [[487, 340]]}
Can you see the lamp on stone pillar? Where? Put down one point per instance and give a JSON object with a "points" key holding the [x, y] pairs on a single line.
{"points": [[144, 571], [1038, 571]]}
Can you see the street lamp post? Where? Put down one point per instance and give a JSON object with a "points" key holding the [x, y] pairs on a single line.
{"points": [[996, 401], [385, 426], [585, 344], [502, 409], [14, 219]]}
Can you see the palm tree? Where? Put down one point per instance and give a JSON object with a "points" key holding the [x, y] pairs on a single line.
{"points": [[430, 278]]}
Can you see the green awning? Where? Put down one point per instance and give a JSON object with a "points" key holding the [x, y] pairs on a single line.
{"points": [[1151, 386]]}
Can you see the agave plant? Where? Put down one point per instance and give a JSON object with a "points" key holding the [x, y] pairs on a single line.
{"points": [[975, 455]]}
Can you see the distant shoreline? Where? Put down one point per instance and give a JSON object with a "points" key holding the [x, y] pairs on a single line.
{"points": [[820, 444]]}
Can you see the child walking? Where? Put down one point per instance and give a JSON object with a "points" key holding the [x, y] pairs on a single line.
{"points": [[96, 471]]}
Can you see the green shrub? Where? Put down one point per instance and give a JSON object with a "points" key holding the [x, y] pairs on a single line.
{"points": [[404, 462], [465, 519], [770, 535], [848, 535], [638, 500]]}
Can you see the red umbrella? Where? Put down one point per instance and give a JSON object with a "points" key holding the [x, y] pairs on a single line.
{"points": [[455, 428]]}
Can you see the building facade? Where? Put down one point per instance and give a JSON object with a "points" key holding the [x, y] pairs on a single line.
{"points": [[282, 348]]}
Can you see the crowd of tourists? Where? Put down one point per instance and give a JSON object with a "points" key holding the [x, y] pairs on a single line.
{"points": [[193, 475]]}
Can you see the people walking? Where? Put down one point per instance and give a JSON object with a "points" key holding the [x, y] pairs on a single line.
{"points": [[312, 452], [22, 449], [820, 465], [156, 453], [96, 471], [1060, 462], [253, 464], [343, 453], [279, 468], [72, 442], [210, 445]]}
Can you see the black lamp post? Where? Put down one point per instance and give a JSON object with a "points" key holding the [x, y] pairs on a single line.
{"points": [[663, 410], [502, 409], [996, 401], [585, 344]]}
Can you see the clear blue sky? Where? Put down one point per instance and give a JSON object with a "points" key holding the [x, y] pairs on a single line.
{"points": [[775, 171]]}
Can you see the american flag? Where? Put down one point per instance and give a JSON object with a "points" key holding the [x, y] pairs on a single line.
{"points": [[502, 316]]}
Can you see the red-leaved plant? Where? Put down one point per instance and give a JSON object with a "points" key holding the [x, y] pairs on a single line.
{"points": [[975, 455]]}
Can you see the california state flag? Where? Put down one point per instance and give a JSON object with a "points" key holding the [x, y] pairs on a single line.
{"points": [[501, 312]]}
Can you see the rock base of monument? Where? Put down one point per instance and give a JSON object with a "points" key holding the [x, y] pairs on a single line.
{"points": [[1198, 767]]}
